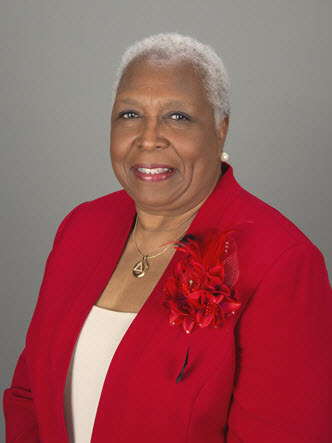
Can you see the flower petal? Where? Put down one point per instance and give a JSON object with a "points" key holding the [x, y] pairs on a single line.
{"points": [[225, 289], [206, 320], [171, 286], [219, 320], [175, 318], [199, 314], [216, 297], [188, 324], [217, 271], [229, 305], [214, 281]]}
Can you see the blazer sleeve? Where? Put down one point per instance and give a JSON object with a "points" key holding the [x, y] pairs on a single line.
{"points": [[18, 403], [282, 389]]}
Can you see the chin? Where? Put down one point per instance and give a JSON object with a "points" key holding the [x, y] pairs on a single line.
{"points": [[154, 200]]}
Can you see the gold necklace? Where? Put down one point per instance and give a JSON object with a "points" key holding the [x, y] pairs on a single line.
{"points": [[142, 266]]}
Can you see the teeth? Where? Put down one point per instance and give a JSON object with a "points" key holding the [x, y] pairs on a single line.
{"points": [[153, 171]]}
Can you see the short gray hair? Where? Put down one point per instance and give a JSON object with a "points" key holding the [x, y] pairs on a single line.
{"points": [[170, 46]]}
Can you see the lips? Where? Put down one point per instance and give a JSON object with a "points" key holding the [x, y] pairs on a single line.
{"points": [[148, 172]]}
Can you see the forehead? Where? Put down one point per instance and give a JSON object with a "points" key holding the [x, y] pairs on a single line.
{"points": [[159, 77]]}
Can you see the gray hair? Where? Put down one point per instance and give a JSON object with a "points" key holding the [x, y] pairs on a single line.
{"points": [[173, 46]]}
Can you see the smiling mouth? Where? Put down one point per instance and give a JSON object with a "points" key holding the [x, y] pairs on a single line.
{"points": [[153, 173]]}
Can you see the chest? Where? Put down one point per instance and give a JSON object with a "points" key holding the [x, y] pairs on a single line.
{"points": [[140, 392], [127, 293]]}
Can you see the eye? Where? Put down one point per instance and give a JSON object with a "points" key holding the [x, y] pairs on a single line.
{"points": [[179, 116], [128, 114]]}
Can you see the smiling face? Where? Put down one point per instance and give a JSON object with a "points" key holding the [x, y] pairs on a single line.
{"points": [[165, 150]]}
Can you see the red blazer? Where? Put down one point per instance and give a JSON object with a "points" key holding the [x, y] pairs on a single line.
{"points": [[264, 376]]}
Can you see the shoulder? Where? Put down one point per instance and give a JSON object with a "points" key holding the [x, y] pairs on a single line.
{"points": [[98, 214], [107, 203], [269, 221], [266, 237], [259, 222], [267, 227], [279, 266]]}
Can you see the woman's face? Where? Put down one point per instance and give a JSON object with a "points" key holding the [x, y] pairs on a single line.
{"points": [[164, 146]]}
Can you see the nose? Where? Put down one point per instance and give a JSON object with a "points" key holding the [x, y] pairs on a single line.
{"points": [[149, 136]]}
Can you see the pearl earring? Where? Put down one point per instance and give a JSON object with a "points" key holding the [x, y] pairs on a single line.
{"points": [[224, 157]]}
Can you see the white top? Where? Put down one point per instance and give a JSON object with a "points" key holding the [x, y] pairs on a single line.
{"points": [[96, 344]]}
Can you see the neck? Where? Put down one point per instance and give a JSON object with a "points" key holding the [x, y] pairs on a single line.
{"points": [[151, 223], [153, 231], [162, 224]]}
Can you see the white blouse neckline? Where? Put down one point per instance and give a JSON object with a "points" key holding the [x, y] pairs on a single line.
{"points": [[114, 312]]}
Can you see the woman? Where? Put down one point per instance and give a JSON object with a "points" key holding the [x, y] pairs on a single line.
{"points": [[182, 308]]}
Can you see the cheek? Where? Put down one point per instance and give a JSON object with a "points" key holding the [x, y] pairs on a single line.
{"points": [[198, 150], [120, 145]]}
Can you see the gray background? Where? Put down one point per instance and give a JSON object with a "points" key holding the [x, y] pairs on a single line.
{"points": [[57, 63]]}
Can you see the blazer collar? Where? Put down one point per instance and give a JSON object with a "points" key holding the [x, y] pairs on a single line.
{"points": [[216, 205]]}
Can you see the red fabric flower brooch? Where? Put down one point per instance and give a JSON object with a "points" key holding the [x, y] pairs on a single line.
{"points": [[202, 292]]}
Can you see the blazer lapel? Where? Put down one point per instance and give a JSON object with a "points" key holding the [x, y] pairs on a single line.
{"points": [[113, 238]]}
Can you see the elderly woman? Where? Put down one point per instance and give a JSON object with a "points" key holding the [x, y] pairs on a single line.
{"points": [[181, 308]]}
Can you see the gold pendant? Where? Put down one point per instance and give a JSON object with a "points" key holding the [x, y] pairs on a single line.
{"points": [[141, 268]]}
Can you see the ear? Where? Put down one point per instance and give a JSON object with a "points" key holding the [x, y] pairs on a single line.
{"points": [[222, 131]]}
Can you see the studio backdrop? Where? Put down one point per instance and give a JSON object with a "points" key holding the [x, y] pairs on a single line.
{"points": [[57, 67]]}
